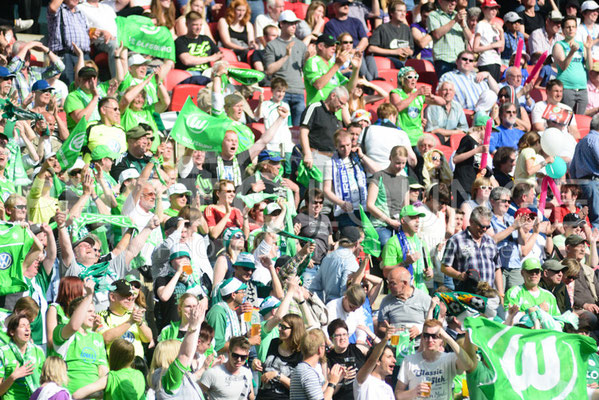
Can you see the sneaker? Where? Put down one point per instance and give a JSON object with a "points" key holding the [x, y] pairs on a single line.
{"points": [[22, 24]]}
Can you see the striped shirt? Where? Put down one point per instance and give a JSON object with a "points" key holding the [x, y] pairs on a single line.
{"points": [[467, 90], [463, 253], [305, 383]]}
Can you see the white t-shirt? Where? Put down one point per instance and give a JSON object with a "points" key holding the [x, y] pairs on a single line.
{"points": [[141, 218], [377, 142], [269, 112], [352, 319], [221, 384], [101, 17], [488, 35], [414, 370], [583, 32], [262, 21], [373, 388], [537, 114]]}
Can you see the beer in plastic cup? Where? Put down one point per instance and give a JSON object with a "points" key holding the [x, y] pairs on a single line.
{"points": [[465, 392], [187, 269], [255, 330], [247, 316], [395, 339], [427, 392]]}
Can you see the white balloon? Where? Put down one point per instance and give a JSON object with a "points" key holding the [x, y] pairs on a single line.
{"points": [[554, 142]]}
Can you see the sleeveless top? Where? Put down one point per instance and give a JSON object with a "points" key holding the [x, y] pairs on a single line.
{"points": [[241, 36]]}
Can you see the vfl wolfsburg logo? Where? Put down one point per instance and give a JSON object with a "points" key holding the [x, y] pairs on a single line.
{"points": [[77, 143], [196, 124], [524, 358], [149, 30], [5, 261]]}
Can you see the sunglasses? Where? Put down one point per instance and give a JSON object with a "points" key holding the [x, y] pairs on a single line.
{"points": [[534, 271], [318, 202], [228, 191], [412, 76], [21, 207], [504, 201], [238, 235], [485, 187], [467, 59], [347, 42], [431, 336], [284, 327], [503, 96], [136, 285], [436, 158], [481, 226], [241, 357]]}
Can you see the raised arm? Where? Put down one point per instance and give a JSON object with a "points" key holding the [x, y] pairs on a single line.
{"points": [[138, 242], [80, 313], [269, 134], [370, 363], [133, 92]]}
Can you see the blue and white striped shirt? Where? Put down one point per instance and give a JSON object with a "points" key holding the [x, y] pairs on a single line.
{"points": [[467, 90]]}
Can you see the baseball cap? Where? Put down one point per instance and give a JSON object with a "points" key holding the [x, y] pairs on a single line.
{"points": [[480, 119], [327, 39], [87, 72], [572, 3], [41, 85], [589, 5], [512, 17], [361, 115], [121, 287], [79, 164], [350, 234], [137, 59], [136, 132], [5, 73], [595, 66], [103, 151], [573, 219], [530, 264], [490, 4], [87, 239], [525, 211], [414, 184], [341, 2], [553, 265], [132, 279], [231, 285], [245, 260], [129, 173], [288, 16], [555, 16], [228, 235], [410, 211], [271, 207], [267, 155], [575, 240], [178, 188], [178, 254], [269, 304]]}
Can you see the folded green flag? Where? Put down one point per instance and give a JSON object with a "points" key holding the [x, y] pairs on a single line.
{"points": [[17, 113], [140, 35], [371, 243], [458, 302], [71, 148], [15, 243], [90, 218], [531, 364], [198, 130], [245, 76], [304, 175], [250, 200]]}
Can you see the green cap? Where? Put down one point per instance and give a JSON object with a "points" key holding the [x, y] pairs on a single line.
{"points": [[103, 151], [480, 119], [136, 132], [179, 254], [410, 211], [530, 264]]}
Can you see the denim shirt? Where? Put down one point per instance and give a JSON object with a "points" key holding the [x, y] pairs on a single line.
{"points": [[509, 255]]}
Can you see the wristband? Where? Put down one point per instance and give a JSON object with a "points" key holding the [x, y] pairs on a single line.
{"points": [[331, 385], [301, 302], [95, 198]]}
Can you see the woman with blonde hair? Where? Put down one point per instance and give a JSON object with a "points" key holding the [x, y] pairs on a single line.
{"points": [[122, 382], [235, 29], [480, 192], [312, 27], [436, 169], [53, 379], [531, 159]]}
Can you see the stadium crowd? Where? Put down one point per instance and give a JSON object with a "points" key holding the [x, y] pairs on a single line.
{"points": [[286, 200]]}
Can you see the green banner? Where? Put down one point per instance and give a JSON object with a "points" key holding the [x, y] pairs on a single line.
{"points": [[531, 364], [245, 76], [17, 113], [90, 218], [140, 35], [71, 148], [371, 243], [198, 130]]}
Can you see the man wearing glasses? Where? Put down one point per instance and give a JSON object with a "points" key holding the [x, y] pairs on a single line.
{"points": [[108, 131], [508, 134], [529, 294], [472, 256], [471, 86], [230, 380], [430, 372]]}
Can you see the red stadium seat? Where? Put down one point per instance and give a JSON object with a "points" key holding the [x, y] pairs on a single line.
{"points": [[390, 75], [239, 64], [228, 55], [180, 94], [538, 94], [469, 116], [174, 77], [258, 129], [420, 65], [383, 63], [300, 9], [214, 30], [584, 124], [455, 140], [446, 150]]}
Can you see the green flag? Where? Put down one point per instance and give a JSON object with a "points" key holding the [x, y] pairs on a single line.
{"points": [[458, 302], [371, 243], [245, 76], [15, 243], [140, 35], [531, 364], [15, 170], [90, 218], [17, 113], [198, 130], [71, 148], [250, 200]]}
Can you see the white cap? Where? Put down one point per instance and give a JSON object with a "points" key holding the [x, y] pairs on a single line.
{"points": [[512, 17], [79, 164], [361, 115], [288, 16], [231, 285], [178, 188], [137, 59], [129, 173], [589, 5]]}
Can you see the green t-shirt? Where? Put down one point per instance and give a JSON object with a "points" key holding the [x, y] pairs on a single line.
{"points": [[7, 187], [265, 339], [217, 318], [392, 255], [38, 287], [131, 118], [314, 68], [125, 384], [520, 296], [171, 331], [173, 377], [480, 374], [151, 88], [78, 100], [410, 118], [83, 353], [24, 387]]}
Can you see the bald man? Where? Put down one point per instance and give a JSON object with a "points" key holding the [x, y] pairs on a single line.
{"points": [[513, 79], [405, 305]]}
